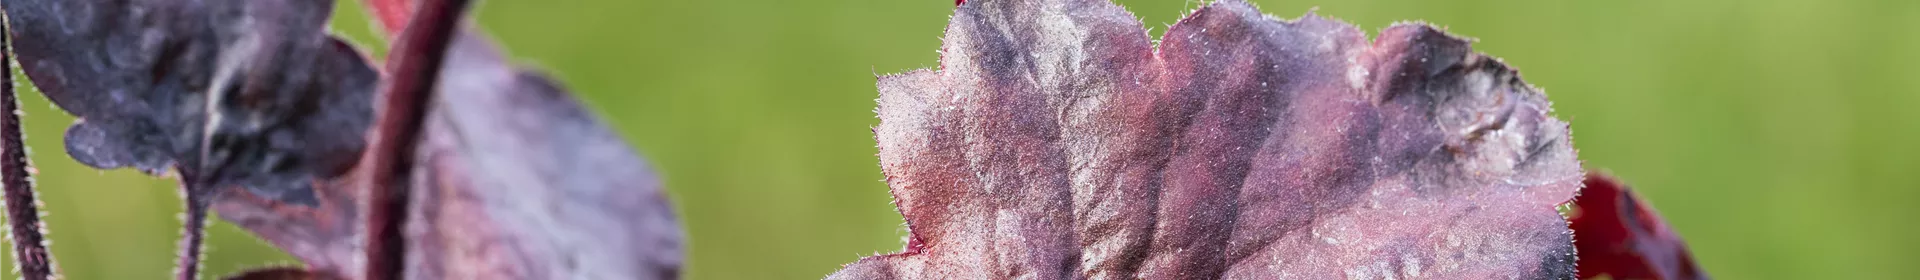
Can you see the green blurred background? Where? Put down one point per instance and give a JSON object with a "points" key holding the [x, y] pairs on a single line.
{"points": [[1779, 137]]}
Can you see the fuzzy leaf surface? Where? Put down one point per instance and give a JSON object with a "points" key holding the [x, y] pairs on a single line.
{"points": [[1056, 141]]}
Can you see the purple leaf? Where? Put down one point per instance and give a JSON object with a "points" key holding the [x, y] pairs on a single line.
{"points": [[512, 178], [287, 102], [231, 94], [1057, 142]]}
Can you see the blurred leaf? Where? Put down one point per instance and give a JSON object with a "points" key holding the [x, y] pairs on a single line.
{"points": [[1055, 142], [281, 273], [1623, 238]]}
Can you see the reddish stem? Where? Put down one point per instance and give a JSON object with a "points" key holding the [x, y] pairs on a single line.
{"points": [[23, 213], [413, 67]]}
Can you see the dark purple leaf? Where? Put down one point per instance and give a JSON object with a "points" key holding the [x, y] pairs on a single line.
{"points": [[1057, 142], [512, 178], [287, 103], [233, 93], [1623, 238]]}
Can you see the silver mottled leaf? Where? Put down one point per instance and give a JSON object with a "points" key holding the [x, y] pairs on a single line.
{"points": [[1057, 142]]}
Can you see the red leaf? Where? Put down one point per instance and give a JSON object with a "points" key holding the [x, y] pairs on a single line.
{"points": [[392, 15], [282, 273], [1056, 142], [1622, 238]]}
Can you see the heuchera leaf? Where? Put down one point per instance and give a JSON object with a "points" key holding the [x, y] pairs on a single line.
{"points": [[513, 178], [1056, 141], [1623, 238], [290, 101]]}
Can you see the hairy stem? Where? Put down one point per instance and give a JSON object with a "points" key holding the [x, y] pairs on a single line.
{"points": [[413, 67], [194, 232], [23, 213]]}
